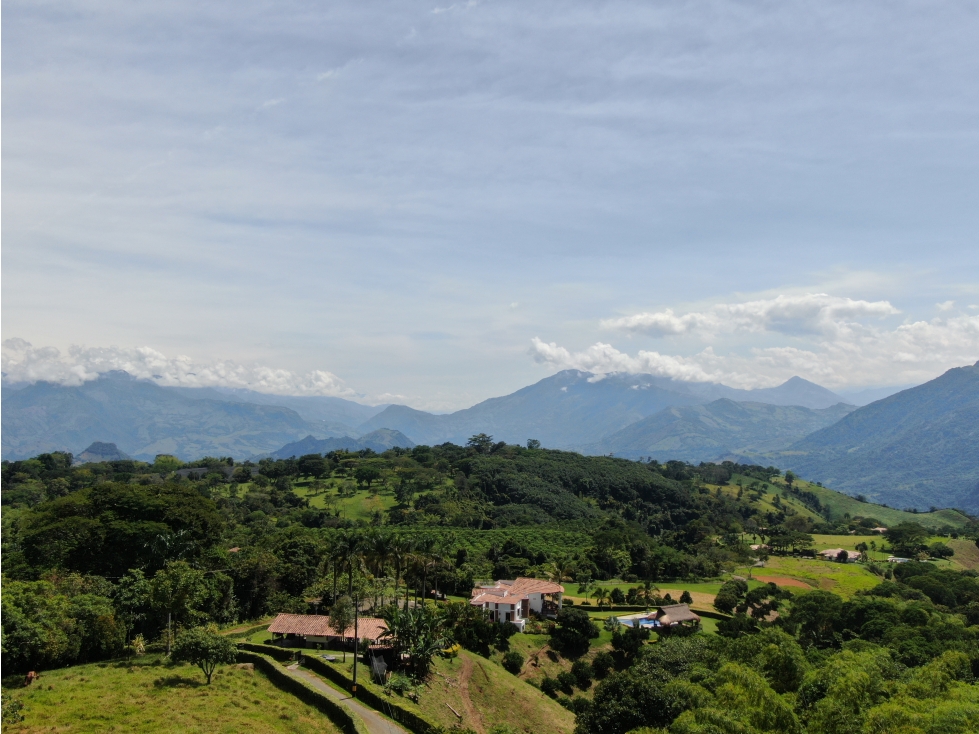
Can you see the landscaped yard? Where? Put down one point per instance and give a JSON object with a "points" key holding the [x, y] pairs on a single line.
{"points": [[146, 695]]}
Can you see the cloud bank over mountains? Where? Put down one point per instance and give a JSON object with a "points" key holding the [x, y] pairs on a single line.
{"points": [[22, 362], [835, 341], [811, 313]]}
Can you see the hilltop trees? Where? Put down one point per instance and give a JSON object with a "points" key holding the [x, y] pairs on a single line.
{"points": [[111, 527]]}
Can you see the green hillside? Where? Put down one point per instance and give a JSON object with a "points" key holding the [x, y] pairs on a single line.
{"points": [[916, 448], [838, 506], [724, 427]]}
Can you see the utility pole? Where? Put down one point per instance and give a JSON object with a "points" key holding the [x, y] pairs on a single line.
{"points": [[356, 643]]}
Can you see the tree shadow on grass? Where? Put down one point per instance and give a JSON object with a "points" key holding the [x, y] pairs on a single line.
{"points": [[177, 681]]}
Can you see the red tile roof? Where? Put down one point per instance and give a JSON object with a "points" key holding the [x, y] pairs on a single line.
{"points": [[319, 626], [511, 592]]}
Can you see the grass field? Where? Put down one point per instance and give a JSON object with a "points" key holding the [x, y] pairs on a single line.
{"points": [[844, 579], [483, 694], [149, 696], [966, 553]]}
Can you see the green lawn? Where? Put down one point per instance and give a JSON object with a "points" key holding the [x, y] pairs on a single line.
{"points": [[149, 696]]}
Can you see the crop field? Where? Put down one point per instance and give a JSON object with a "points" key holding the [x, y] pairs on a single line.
{"points": [[146, 695]]}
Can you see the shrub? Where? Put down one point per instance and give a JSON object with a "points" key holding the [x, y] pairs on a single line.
{"points": [[513, 662], [617, 596], [549, 686], [583, 673], [577, 705], [602, 664], [566, 681], [685, 598]]}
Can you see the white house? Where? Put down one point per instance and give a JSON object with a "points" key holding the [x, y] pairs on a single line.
{"points": [[513, 601], [832, 554]]}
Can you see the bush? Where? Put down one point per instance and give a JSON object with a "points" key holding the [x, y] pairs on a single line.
{"points": [[574, 632], [602, 665], [617, 596], [513, 662], [577, 705], [583, 673], [549, 686], [566, 681], [685, 598]]}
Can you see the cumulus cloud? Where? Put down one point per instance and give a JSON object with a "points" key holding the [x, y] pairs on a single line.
{"points": [[23, 362], [839, 353], [810, 313]]}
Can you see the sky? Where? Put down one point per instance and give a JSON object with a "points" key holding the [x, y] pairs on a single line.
{"points": [[435, 203]]}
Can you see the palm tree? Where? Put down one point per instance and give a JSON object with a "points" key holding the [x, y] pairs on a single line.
{"points": [[602, 594], [378, 547], [561, 570], [440, 550], [424, 551], [646, 593], [349, 549], [400, 553], [418, 635]]}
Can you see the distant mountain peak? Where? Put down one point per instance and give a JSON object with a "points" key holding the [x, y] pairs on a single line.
{"points": [[100, 451]]}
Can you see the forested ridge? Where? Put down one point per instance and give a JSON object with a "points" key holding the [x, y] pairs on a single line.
{"points": [[99, 556]]}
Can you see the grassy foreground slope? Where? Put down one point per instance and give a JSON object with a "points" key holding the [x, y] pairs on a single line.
{"points": [[476, 693], [149, 696]]}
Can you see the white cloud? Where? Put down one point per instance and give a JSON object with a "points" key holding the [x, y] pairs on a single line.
{"points": [[946, 306], [810, 313], [22, 362], [455, 6], [840, 353]]}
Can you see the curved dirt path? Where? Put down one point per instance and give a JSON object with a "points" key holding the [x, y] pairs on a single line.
{"points": [[472, 713], [375, 723]]}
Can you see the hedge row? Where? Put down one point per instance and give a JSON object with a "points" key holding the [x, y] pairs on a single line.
{"points": [[336, 713], [383, 704]]}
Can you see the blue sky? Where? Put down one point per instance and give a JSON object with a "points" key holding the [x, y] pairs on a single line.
{"points": [[438, 203]]}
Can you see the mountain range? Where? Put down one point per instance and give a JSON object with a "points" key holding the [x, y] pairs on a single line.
{"points": [[380, 440], [572, 409], [144, 419], [914, 448], [716, 430], [919, 447]]}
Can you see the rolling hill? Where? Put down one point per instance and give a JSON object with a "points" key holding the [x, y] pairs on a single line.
{"points": [[917, 448], [721, 429]]}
